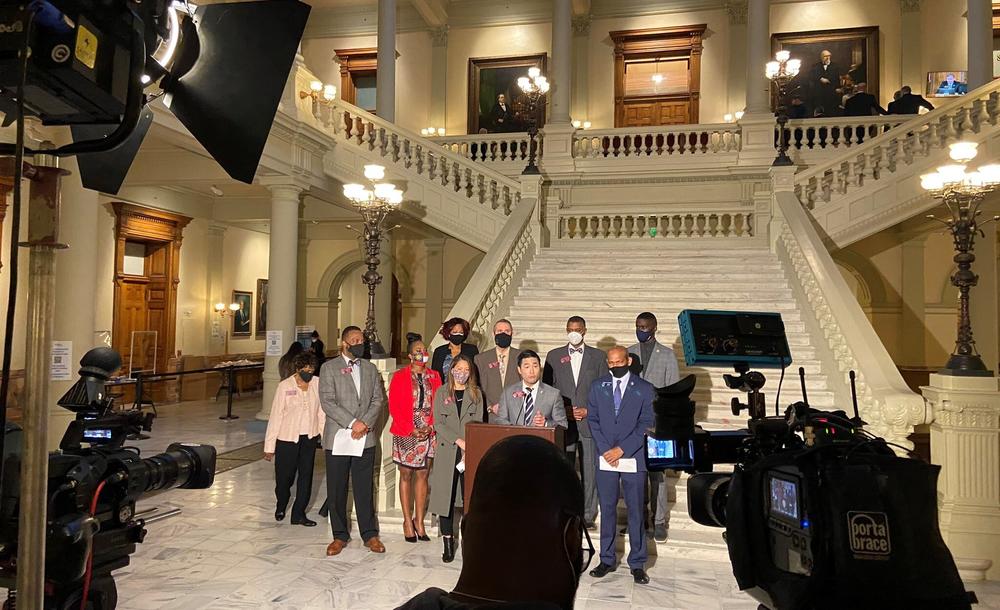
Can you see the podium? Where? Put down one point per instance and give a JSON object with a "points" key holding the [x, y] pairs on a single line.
{"points": [[480, 437]]}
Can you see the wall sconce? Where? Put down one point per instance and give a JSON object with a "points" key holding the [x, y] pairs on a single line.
{"points": [[220, 308], [432, 131], [732, 117], [321, 95], [581, 124]]}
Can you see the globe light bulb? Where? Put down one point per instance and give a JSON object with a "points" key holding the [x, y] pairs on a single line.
{"points": [[220, 307], [793, 66], [739, 115], [771, 69], [728, 118], [951, 174], [384, 189], [440, 131], [329, 93], [234, 306], [577, 124], [395, 197], [990, 173], [374, 172], [783, 55], [353, 191], [544, 87], [931, 182], [316, 86], [586, 124], [657, 78], [534, 72], [963, 152]]}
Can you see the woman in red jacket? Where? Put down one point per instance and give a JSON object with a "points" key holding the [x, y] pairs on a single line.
{"points": [[410, 392]]}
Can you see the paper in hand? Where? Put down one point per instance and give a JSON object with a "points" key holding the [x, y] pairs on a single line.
{"points": [[344, 444], [624, 465]]}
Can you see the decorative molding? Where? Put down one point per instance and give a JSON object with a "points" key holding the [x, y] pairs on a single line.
{"points": [[439, 36], [737, 10], [581, 25], [909, 6], [359, 20]]}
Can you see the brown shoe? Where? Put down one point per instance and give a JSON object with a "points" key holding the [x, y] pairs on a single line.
{"points": [[375, 545], [335, 547]]}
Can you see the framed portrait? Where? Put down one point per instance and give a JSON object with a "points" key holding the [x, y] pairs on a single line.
{"points": [[947, 84], [834, 62], [260, 327], [492, 77], [243, 316]]}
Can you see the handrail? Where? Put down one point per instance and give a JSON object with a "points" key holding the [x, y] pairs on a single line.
{"points": [[499, 273], [885, 401]]}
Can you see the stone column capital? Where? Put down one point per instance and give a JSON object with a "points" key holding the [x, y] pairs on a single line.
{"points": [[909, 6], [737, 11], [283, 187], [581, 25], [439, 36]]}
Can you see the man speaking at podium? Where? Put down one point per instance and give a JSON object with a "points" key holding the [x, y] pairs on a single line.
{"points": [[530, 402]]}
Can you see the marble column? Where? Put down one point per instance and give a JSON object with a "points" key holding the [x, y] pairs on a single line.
{"points": [[911, 340], [980, 24], [581, 68], [983, 299], [738, 68], [302, 267], [217, 325], [561, 68], [911, 64], [383, 295], [434, 291], [281, 275], [758, 53], [75, 286], [438, 114], [385, 77]]}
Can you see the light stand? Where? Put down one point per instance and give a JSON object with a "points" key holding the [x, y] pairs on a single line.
{"points": [[374, 204], [781, 72], [962, 193], [534, 86]]}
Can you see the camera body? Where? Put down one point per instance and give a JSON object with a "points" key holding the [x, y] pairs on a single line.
{"points": [[93, 485], [819, 514]]}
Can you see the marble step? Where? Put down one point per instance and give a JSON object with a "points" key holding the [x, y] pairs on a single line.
{"points": [[630, 305], [655, 266], [658, 283], [660, 293], [556, 334], [680, 249], [604, 322]]}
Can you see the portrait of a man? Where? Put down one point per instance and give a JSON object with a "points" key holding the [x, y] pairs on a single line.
{"points": [[242, 316], [496, 103], [260, 330]]}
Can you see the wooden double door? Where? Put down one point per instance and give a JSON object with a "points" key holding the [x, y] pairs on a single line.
{"points": [[650, 113]]}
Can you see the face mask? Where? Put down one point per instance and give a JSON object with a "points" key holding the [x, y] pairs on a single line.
{"points": [[643, 335], [619, 371], [357, 350], [305, 376], [575, 338], [460, 376], [502, 340], [420, 358], [457, 338]]}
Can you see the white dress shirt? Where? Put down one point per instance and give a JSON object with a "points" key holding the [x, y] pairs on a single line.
{"points": [[624, 383], [355, 372], [576, 361]]}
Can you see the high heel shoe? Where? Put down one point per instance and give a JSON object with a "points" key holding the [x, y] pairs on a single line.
{"points": [[412, 539], [421, 537], [449, 549]]}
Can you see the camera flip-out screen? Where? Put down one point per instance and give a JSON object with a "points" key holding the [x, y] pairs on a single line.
{"points": [[784, 502], [663, 453]]}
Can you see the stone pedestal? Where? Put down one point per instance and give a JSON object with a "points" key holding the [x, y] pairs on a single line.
{"points": [[758, 148], [557, 142], [386, 476], [965, 442]]}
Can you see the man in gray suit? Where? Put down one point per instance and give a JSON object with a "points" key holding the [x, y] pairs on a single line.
{"points": [[498, 366], [659, 367], [353, 397], [531, 402], [571, 369]]}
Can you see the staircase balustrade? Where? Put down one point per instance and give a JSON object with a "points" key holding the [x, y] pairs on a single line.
{"points": [[657, 142], [731, 224], [494, 147]]}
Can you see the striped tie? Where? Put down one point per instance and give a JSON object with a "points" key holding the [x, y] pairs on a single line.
{"points": [[529, 406]]}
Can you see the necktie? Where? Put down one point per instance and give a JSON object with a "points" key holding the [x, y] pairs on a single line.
{"points": [[352, 363], [575, 350], [529, 406], [502, 359], [618, 396]]}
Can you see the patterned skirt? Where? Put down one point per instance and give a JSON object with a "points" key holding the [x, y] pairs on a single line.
{"points": [[412, 452]]}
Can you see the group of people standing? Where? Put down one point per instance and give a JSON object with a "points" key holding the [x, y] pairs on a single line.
{"points": [[603, 401]]}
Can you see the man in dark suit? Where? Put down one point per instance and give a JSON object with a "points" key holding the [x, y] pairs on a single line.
{"points": [[571, 369], [502, 116], [950, 86], [823, 83], [659, 367], [909, 103], [862, 103], [620, 411], [353, 397], [498, 366]]}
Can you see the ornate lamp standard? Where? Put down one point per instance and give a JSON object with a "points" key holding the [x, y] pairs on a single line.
{"points": [[781, 71], [534, 86], [962, 192], [374, 202]]}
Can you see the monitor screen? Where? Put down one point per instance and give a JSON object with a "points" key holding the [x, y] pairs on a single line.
{"points": [[97, 434], [784, 498], [660, 449]]}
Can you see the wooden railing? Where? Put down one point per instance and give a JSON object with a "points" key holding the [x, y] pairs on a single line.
{"points": [[657, 142], [738, 224]]}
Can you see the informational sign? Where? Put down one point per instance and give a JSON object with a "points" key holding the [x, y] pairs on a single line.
{"points": [[275, 344], [61, 366], [303, 334]]}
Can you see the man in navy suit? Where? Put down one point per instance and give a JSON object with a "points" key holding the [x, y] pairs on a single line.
{"points": [[619, 412]]}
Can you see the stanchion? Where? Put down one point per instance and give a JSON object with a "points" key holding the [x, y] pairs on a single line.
{"points": [[229, 400]]}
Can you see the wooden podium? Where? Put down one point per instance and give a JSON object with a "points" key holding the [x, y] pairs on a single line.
{"points": [[480, 437]]}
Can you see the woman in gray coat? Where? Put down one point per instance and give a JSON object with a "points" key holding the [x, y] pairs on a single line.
{"points": [[456, 403]]}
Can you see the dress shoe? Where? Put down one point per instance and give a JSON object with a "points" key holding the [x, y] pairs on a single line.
{"points": [[660, 533], [375, 545], [449, 549], [639, 576], [335, 547], [602, 570], [306, 521], [279, 515], [421, 537]]}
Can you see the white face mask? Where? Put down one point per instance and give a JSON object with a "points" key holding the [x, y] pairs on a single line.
{"points": [[575, 338]]}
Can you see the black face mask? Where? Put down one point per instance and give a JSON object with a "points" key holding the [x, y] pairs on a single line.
{"points": [[502, 340], [619, 371], [457, 338], [357, 350], [305, 376]]}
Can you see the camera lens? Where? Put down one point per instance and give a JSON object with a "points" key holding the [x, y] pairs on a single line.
{"points": [[182, 465], [707, 496]]}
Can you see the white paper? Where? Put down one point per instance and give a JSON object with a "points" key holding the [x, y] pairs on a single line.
{"points": [[460, 466], [61, 361], [624, 465], [274, 344], [343, 444]]}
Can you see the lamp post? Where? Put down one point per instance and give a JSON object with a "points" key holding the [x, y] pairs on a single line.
{"points": [[534, 86], [781, 71], [220, 308], [374, 202], [962, 193]]}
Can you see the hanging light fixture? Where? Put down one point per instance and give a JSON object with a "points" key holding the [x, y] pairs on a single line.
{"points": [[657, 77]]}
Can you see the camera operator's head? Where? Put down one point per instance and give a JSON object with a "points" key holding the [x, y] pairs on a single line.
{"points": [[645, 327], [526, 512], [352, 343]]}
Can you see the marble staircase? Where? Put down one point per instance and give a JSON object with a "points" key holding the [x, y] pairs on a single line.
{"points": [[609, 284]]}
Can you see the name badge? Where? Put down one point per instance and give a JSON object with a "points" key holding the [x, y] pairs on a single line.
{"points": [[291, 392]]}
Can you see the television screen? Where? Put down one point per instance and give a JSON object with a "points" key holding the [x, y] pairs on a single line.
{"points": [[947, 84]]}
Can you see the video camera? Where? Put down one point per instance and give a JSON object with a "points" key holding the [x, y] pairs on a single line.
{"points": [[819, 514], [94, 483]]}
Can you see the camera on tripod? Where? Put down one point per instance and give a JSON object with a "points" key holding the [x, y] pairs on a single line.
{"points": [[94, 483], [819, 514]]}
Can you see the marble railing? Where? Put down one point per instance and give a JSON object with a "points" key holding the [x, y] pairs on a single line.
{"points": [[837, 132], [657, 142], [874, 184], [493, 147], [680, 224], [884, 400]]}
